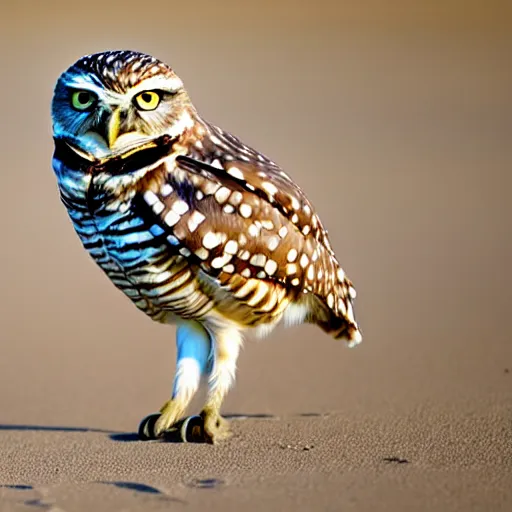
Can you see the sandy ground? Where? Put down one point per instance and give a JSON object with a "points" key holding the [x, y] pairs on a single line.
{"points": [[426, 460], [395, 119]]}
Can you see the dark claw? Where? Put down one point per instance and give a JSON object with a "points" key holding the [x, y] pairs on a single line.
{"points": [[146, 430], [187, 430]]}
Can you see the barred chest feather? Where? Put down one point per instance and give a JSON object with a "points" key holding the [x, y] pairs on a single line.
{"points": [[130, 249]]}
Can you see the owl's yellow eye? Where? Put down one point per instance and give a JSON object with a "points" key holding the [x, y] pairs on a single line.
{"points": [[82, 100], [147, 100]]}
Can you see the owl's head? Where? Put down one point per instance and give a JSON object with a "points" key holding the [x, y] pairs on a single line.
{"points": [[109, 103]]}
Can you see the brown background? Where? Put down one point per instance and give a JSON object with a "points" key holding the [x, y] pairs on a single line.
{"points": [[396, 118]]}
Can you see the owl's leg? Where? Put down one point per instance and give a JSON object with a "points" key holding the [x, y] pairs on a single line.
{"points": [[193, 352], [226, 347]]}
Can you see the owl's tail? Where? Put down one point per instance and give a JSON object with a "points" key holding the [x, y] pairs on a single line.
{"points": [[335, 314]]}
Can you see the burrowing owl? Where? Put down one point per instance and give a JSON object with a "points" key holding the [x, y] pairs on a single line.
{"points": [[195, 227]]}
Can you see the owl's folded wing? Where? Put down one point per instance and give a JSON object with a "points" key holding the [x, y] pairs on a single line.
{"points": [[232, 221]]}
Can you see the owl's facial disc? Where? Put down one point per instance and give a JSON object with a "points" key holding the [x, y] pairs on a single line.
{"points": [[103, 122], [119, 123]]}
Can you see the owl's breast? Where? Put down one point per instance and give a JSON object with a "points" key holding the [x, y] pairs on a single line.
{"points": [[165, 282], [132, 250]]}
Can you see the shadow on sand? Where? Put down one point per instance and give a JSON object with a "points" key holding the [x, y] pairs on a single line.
{"points": [[132, 437], [47, 428], [140, 488], [125, 437]]}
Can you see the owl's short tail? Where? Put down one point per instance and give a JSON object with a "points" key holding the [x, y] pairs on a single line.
{"points": [[335, 314], [341, 329]]}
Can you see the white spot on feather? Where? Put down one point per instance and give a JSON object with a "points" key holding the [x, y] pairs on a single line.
{"points": [[258, 260], [180, 207], [194, 220], [244, 255], [166, 190], [245, 210], [211, 240], [253, 230], [202, 253], [273, 243], [236, 198], [150, 197], [270, 267], [295, 203], [231, 247], [236, 173], [171, 218], [222, 195], [270, 188], [292, 255], [291, 269], [158, 208], [220, 261]]}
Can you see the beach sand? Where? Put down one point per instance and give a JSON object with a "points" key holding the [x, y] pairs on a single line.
{"points": [[395, 119]]}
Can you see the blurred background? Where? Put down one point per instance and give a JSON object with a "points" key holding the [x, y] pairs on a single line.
{"points": [[396, 119]]}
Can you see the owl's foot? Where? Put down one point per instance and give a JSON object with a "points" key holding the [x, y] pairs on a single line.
{"points": [[170, 413], [216, 428]]}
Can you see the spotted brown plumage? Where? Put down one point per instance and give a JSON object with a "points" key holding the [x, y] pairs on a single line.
{"points": [[194, 226]]}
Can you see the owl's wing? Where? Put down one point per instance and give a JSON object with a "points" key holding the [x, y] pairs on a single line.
{"points": [[231, 221], [264, 177]]}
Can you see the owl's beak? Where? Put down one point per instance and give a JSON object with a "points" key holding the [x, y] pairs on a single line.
{"points": [[114, 125]]}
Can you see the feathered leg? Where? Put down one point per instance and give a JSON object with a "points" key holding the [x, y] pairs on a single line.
{"points": [[193, 353], [226, 347]]}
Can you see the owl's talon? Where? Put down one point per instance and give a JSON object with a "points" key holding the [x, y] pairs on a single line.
{"points": [[216, 428], [186, 430], [169, 415], [146, 430]]}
